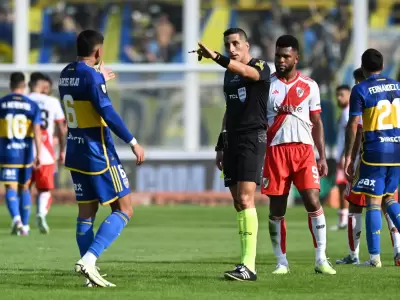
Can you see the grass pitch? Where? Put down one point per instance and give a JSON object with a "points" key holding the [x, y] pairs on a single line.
{"points": [[180, 252]]}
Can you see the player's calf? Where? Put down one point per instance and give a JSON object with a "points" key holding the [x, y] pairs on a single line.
{"points": [[25, 206], [12, 202]]}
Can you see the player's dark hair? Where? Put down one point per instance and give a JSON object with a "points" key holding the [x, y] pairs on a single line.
{"points": [[358, 75], [48, 79], [17, 79], [372, 60], [236, 30], [87, 41], [343, 87], [35, 78], [287, 40]]}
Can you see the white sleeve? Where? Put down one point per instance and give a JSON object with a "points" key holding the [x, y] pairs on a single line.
{"points": [[59, 113], [315, 99]]}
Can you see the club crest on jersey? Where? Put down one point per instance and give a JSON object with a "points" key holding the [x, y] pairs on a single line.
{"points": [[103, 88], [242, 94], [126, 182], [300, 92]]}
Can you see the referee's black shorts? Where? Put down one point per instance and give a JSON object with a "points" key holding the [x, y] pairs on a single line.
{"points": [[244, 157]]}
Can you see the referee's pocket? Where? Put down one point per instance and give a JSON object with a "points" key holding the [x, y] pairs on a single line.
{"points": [[262, 137]]}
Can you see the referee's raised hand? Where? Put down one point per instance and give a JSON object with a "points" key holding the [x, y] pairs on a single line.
{"points": [[205, 52]]}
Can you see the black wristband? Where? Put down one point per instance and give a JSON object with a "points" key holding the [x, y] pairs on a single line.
{"points": [[220, 143], [222, 60]]}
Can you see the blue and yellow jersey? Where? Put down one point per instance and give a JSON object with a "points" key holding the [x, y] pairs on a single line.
{"points": [[377, 100], [18, 114], [90, 146]]}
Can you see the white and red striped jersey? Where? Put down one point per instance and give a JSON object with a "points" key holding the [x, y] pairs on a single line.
{"points": [[288, 110], [50, 112]]}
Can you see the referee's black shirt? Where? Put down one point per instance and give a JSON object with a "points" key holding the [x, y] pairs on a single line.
{"points": [[246, 99]]}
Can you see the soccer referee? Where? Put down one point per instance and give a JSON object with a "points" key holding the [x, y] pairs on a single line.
{"points": [[242, 141]]}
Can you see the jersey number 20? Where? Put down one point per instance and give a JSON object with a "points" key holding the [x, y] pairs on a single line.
{"points": [[70, 111], [17, 126], [385, 118]]}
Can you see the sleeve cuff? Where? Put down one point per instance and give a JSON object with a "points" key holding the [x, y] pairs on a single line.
{"points": [[133, 142], [356, 113], [315, 111]]}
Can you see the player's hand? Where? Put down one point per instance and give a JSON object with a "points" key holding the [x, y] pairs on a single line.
{"points": [[139, 153], [219, 159], [61, 158], [349, 169], [203, 51], [322, 167], [107, 72], [36, 162]]}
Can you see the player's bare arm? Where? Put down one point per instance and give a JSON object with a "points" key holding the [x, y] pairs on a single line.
{"points": [[38, 144], [61, 134], [319, 140], [351, 132]]}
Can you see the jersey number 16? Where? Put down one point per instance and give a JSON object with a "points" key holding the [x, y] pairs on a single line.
{"points": [[70, 111]]}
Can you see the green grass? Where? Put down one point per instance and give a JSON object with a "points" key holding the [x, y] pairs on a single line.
{"points": [[180, 252]]}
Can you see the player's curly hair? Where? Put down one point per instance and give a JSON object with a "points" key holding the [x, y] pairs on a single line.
{"points": [[287, 40]]}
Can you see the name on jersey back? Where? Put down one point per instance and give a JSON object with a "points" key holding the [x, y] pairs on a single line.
{"points": [[69, 82], [16, 105], [384, 88]]}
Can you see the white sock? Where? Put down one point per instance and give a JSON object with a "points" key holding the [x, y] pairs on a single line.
{"points": [[394, 234], [354, 227], [343, 216], [43, 200], [89, 258], [317, 226], [277, 233], [16, 219], [375, 257]]}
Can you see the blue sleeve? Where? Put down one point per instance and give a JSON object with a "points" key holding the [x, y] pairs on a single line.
{"points": [[356, 101], [36, 115], [103, 105], [115, 123]]}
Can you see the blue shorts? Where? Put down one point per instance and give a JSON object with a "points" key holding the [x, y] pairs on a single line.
{"points": [[376, 181], [104, 188], [15, 175]]}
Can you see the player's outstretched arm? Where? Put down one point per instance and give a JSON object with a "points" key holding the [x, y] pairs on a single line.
{"points": [[263, 73], [319, 140], [105, 109]]}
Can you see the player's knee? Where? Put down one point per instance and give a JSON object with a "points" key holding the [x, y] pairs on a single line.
{"points": [[11, 186], [355, 209], [311, 199]]}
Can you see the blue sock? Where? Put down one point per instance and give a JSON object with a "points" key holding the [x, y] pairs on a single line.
{"points": [[109, 230], [373, 226], [25, 205], [12, 203], [84, 234], [393, 209]]}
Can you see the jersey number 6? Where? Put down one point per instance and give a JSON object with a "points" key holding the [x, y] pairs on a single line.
{"points": [[70, 111]]}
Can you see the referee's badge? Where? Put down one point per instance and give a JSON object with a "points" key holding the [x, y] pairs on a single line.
{"points": [[265, 182], [242, 94], [299, 91], [103, 88]]}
